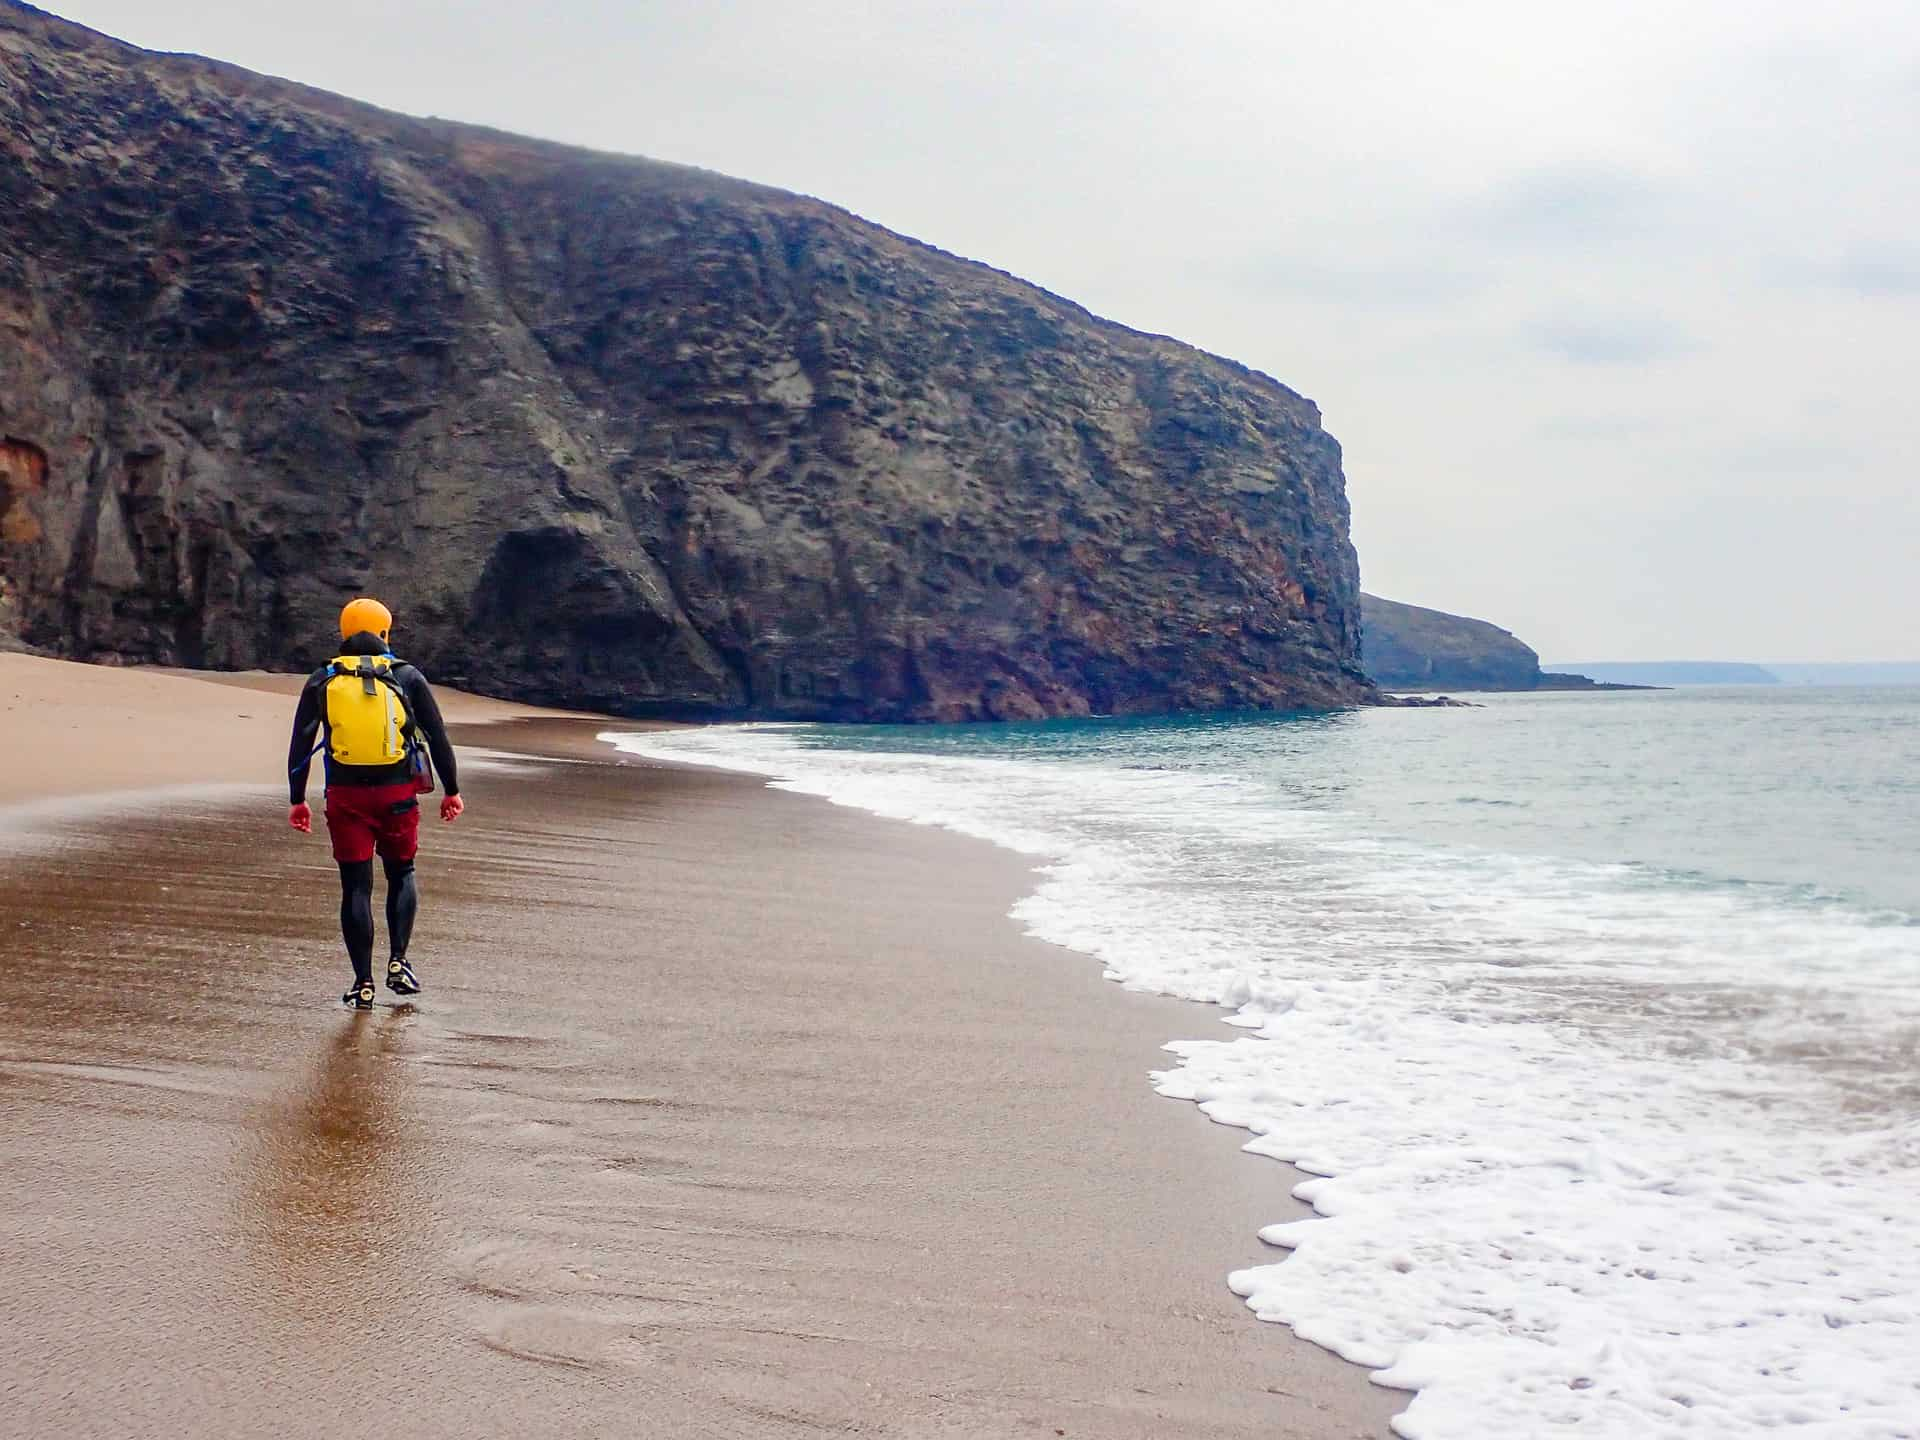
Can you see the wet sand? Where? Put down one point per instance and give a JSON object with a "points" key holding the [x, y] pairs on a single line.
{"points": [[69, 730], [725, 1113]]}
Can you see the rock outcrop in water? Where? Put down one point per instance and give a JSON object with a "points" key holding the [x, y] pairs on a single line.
{"points": [[1406, 647], [1643, 674], [606, 431]]}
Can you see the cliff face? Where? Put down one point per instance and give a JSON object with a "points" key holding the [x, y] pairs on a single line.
{"points": [[605, 431], [1406, 647]]}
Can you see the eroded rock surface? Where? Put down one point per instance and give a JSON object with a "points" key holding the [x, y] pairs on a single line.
{"points": [[606, 431], [1408, 647]]}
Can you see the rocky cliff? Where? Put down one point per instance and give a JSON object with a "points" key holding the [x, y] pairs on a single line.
{"points": [[1406, 647], [606, 431]]}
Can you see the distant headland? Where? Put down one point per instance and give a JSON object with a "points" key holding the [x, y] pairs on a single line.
{"points": [[1718, 672], [1679, 672], [1408, 647]]}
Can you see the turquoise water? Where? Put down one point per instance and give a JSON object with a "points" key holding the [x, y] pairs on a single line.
{"points": [[1600, 1014], [1816, 789]]}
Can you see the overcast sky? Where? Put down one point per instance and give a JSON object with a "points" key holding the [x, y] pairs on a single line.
{"points": [[1613, 307]]}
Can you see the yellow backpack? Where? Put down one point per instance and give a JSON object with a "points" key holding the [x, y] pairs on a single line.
{"points": [[367, 719]]}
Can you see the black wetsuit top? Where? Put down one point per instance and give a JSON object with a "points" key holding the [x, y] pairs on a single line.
{"points": [[421, 706]]}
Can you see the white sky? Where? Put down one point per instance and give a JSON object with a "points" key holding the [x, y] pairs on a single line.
{"points": [[1613, 307]]}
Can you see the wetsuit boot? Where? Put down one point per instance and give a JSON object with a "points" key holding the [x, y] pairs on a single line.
{"points": [[403, 903], [356, 928]]}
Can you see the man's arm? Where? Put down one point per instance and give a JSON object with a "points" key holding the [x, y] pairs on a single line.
{"points": [[306, 730], [426, 719]]}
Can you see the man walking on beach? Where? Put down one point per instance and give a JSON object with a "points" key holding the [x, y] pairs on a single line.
{"points": [[372, 713]]}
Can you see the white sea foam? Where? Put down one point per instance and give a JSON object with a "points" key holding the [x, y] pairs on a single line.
{"points": [[1604, 1153]]}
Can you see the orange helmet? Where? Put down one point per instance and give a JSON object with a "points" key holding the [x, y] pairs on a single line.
{"points": [[366, 614]]}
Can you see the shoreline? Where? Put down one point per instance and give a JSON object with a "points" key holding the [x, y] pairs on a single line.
{"points": [[670, 1125]]}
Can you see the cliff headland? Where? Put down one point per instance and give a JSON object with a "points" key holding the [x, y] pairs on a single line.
{"points": [[1408, 647], [605, 431]]}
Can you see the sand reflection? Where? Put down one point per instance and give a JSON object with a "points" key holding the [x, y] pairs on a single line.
{"points": [[336, 1176]]}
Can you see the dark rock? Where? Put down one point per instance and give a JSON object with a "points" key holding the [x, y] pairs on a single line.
{"points": [[1660, 674], [1427, 702], [1563, 680], [1406, 647], [605, 431]]}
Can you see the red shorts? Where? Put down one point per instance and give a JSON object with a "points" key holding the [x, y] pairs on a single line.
{"points": [[364, 818]]}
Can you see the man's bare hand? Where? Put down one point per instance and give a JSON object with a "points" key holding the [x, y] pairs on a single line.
{"points": [[451, 807], [301, 817]]}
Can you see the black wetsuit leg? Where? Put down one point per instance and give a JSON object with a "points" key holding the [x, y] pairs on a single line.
{"points": [[356, 915], [403, 903]]}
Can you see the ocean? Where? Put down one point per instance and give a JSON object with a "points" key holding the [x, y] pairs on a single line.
{"points": [[1596, 1018]]}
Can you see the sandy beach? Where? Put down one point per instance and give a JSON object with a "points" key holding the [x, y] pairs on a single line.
{"points": [[724, 1113]]}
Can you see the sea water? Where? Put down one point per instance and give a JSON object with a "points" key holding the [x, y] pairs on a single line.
{"points": [[1598, 1017]]}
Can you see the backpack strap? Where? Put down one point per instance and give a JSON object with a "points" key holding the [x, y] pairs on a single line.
{"points": [[400, 694], [392, 676], [326, 729], [369, 674]]}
